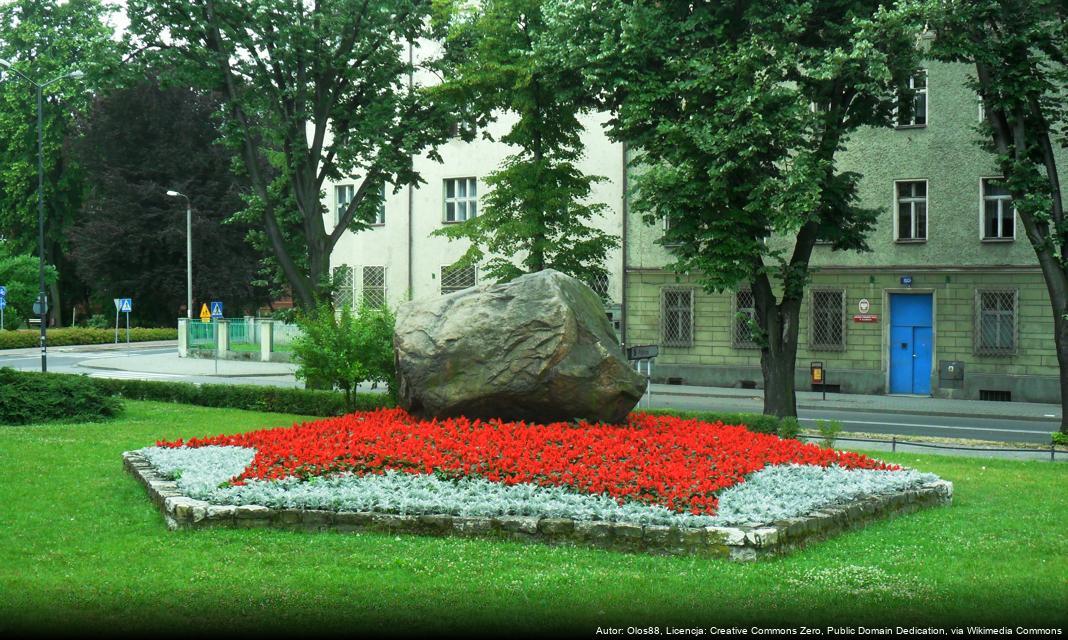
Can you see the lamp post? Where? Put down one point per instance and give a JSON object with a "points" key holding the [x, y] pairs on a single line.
{"points": [[188, 252], [42, 297]]}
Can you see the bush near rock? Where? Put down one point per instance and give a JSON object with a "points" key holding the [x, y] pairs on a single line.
{"points": [[539, 348]]}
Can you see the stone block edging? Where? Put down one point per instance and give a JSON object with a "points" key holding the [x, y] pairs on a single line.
{"points": [[741, 543]]}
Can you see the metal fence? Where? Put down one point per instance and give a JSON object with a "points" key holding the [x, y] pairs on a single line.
{"points": [[899, 445]]}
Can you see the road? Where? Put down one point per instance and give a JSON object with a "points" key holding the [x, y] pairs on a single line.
{"points": [[88, 360]]}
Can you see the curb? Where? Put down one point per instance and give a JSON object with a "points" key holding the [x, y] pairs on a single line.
{"points": [[801, 405], [206, 375]]}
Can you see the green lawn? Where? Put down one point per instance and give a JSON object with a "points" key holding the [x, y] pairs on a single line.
{"points": [[81, 546]]}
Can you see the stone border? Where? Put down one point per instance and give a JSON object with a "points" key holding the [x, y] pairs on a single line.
{"points": [[742, 543]]}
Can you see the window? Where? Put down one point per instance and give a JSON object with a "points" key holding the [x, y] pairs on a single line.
{"points": [[463, 128], [676, 317], [995, 322], [457, 279], [999, 219], [374, 287], [380, 214], [461, 199], [918, 83], [343, 194], [599, 284], [744, 320], [343, 283], [827, 328], [912, 210]]}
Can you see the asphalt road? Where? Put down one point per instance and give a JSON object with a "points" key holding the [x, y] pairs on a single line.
{"points": [[81, 360]]}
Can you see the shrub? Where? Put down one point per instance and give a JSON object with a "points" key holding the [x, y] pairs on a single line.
{"points": [[30, 397], [28, 338], [829, 430], [758, 422], [340, 350], [245, 396], [1060, 438]]}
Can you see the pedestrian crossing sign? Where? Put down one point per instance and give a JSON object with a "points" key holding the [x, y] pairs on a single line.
{"points": [[216, 309]]}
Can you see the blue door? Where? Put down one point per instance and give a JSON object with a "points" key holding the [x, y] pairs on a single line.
{"points": [[910, 343]]}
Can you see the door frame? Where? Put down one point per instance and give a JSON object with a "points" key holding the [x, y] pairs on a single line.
{"points": [[885, 358]]}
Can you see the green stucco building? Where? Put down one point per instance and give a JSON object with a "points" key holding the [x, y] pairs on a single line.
{"points": [[949, 302]]}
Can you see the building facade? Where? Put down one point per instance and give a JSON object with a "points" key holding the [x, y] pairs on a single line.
{"points": [[949, 302]]}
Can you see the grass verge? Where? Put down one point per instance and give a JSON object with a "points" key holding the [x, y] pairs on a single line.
{"points": [[82, 548]]}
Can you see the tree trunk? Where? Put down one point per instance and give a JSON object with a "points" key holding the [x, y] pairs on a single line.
{"points": [[1060, 324]]}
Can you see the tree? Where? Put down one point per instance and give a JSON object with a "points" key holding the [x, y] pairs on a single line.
{"points": [[538, 206], [46, 40], [1020, 52], [343, 350], [313, 91], [129, 239], [737, 110], [19, 274]]}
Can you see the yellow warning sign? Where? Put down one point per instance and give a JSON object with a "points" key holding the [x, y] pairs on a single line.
{"points": [[205, 315]]}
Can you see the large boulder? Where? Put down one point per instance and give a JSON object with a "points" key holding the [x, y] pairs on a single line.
{"points": [[539, 348]]}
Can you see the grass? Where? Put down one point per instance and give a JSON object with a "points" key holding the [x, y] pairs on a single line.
{"points": [[82, 548]]}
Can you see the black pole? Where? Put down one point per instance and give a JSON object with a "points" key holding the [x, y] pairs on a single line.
{"points": [[43, 296]]}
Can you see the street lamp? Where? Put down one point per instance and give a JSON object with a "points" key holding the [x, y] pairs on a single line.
{"points": [[188, 251], [42, 297]]}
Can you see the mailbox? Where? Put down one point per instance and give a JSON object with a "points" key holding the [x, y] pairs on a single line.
{"points": [[816, 372]]}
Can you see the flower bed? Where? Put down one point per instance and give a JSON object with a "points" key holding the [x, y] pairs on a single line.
{"points": [[677, 464], [657, 483]]}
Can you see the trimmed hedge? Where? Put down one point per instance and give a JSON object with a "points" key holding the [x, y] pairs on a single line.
{"points": [[758, 422], [244, 396], [26, 338], [27, 398]]}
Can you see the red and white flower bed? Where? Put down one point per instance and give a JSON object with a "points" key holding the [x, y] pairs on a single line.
{"points": [[653, 469]]}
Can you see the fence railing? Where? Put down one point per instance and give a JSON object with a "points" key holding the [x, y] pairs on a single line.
{"points": [[259, 338], [895, 443]]}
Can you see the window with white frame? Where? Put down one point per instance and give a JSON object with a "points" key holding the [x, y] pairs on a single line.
{"points": [[343, 285], [999, 215], [599, 284], [918, 84], [911, 210], [373, 286], [676, 317], [343, 194], [996, 321], [827, 323], [380, 213], [461, 199], [458, 278], [744, 320]]}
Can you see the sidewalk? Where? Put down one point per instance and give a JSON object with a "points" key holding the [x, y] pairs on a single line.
{"points": [[875, 403], [169, 363], [77, 348]]}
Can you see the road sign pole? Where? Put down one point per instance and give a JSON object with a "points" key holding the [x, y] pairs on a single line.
{"points": [[127, 333], [116, 324]]}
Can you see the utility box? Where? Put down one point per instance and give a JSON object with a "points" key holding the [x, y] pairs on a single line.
{"points": [[950, 374]]}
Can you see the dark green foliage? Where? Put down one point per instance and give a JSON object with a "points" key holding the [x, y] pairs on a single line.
{"points": [[758, 422], [31, 397], [19, 273], [244, 396], [538, 209], [1060, 438], [74, 336]]}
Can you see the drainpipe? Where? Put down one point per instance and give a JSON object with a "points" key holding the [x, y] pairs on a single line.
{"points": [[623, 298]]}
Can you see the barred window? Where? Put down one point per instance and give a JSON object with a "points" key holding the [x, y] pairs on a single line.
{"points": [[599, 284], [912, 210], [343, 284], [995, 322], [374, 286], [343, 195], [676, 317], [461, 199], [999, 217], [457, 279], [744, 319], [827, 326]]}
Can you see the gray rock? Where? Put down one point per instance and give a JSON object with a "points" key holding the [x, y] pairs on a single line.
{"points": [[538, 348]]}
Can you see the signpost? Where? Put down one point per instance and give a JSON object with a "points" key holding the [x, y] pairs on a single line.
{"points": [[3, 305], [205, 315], [123, 305], [645, 353], [818, 376], [216, 314]]}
